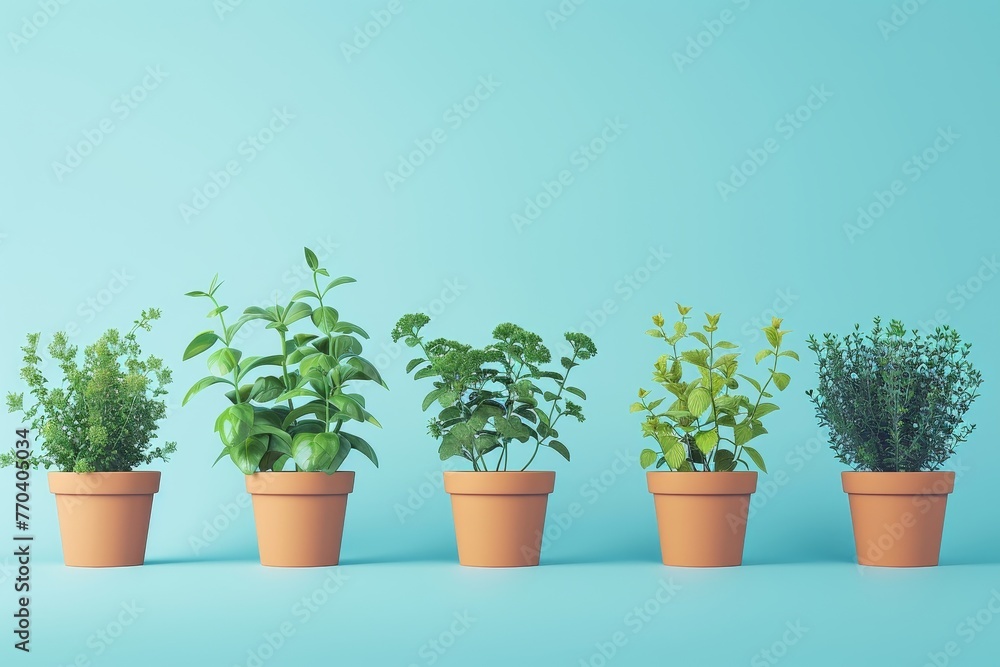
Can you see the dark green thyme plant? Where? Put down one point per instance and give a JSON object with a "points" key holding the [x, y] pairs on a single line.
{"points": [[894, 402], [105, 413], [295, 407], [490, 397], [709, 423]]}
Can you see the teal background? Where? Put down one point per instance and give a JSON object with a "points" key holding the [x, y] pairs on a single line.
{"points": [[88, 249]]}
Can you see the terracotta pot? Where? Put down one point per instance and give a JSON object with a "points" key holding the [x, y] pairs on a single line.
{"points": [[499, 516], [898, 516], [702, 516], [104, 516], [299, 516]]}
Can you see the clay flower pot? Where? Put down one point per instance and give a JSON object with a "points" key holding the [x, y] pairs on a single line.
{"points": [[299, 516], [702, 516], [898, 516], [104, 516], [499, 516]]}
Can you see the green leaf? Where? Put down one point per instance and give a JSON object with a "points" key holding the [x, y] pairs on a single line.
{"points": [[315, 451], [248, 453], [763, 354], [655, 333], [755, 456], [257, 362], [726, 345], [647, 458], [636, 407], [325, 319], [304, 294], [342, 280], [296, 312], [700, 337], [413, 363], [576, 392], [223, 361], [696, 357], [698, 401], [361, 445], [559, 447], [772, 336], [450, 446], [706, 441], [764, 409], [202, 384], [512, 428], [217, 311], [266, 389], [311, 259], [200, 343], [234, 424], [674, 452], [756, 385], [789, 353], [430, 398], [199, 293], [780, 379], [742, 433], [724, 460]]}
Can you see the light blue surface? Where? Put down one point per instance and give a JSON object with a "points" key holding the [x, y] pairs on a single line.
{"points": [[632, 230]]}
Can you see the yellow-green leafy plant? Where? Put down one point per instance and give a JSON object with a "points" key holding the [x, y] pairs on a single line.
{"points": [[709, 422]]}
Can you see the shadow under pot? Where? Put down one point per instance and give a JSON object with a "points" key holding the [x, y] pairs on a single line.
{"points": [[104, 516], [702, 516], [300, 516], [499, 516], [898, 517]]}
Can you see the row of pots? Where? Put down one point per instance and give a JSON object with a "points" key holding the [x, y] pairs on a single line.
{"points": [[500, 516]]}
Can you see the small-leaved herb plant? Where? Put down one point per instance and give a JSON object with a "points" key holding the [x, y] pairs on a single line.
{"points": [[104, 414], [290, 408], [491, 397], [708, 421], [892, 400]]}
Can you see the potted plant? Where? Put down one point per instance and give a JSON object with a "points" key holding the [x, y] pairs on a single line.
{"points": [[285, 425], [707, 427], [96, 427], [488, 400], [894, 406]]}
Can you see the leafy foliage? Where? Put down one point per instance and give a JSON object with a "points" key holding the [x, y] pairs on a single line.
{"points": [[289, 407], [491, 397], [892, 402], [104, 415], [708, 410]]}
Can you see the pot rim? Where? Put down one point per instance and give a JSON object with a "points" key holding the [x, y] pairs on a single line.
{"points": [[124, 483], [924, 483], [499, 483], [673, 483], [297, 483]]}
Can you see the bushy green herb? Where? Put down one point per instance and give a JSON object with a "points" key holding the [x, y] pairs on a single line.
{"points": [[491, 397], [105, 413], [894, 402], [690, 431], [296, 410]]}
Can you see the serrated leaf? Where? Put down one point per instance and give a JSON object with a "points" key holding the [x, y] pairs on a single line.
{"points": [[698, 401], [706, 441], [648, 457]]}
